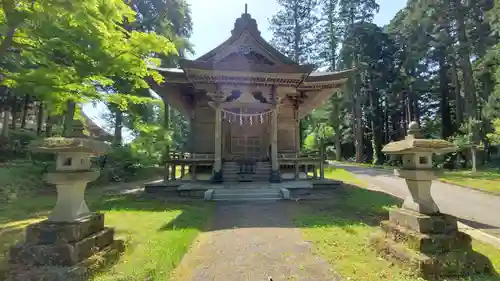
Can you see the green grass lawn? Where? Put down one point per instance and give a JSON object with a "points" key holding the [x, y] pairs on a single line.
{"points": [[482, 180], [339, 230], [156, 233]]}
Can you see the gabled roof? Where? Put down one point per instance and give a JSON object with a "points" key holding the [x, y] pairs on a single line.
{"points": [[242, 24], [245, 45]]}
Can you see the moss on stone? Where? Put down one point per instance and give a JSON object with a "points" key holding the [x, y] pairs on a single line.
{"points": [[59, 144]]}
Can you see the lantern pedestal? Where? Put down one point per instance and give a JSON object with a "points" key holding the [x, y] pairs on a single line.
{"points": [[430, 244], [70, 206], [419, 184]]}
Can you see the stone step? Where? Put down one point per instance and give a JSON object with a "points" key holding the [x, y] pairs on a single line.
{"points": [[246, 194], [243, 174], [445, 264], [254, 177], [250, 175], [426, 243], [254, 167]]}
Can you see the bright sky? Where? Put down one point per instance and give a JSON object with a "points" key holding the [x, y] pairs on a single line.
{"points": [[213, 21]]}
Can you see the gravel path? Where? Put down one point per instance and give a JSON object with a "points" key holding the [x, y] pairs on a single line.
{"points": [[475, 208], [252, 241]]}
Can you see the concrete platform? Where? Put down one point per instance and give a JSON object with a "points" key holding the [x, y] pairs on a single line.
{"points": [[300, 189]]}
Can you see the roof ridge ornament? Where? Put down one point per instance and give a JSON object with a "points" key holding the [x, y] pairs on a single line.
{"points": [[414, 131], [245, 22]]}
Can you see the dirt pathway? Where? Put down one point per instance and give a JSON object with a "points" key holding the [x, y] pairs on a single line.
{"points": [[252, 241]]}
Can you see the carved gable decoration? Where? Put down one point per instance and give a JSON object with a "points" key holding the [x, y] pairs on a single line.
{"points": [[244, 49], [247, 57]]}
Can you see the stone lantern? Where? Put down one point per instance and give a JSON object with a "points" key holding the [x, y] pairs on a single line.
{"points": [[416, 153], [72, 233], [418, 234]]}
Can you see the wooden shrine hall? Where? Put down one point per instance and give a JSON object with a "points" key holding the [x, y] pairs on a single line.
{"points": [[244, 100]]}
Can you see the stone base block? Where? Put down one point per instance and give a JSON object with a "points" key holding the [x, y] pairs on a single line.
{"points": [[426, 243], [167, 187], [327, 184], [275, 176], [61, 254], [47, 232], [217, 177], [79, 272], [418, 222], [454, 263]]}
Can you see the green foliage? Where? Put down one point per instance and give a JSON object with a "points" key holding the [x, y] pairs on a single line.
{"points": [[435, 63], [19, 178], [310, 143], [494, 137], [59, 51], [124, 163], [16, 144]]}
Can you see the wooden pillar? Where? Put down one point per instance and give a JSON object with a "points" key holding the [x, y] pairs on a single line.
{"points": [[166, 176], [191, 133], [322, 161], [172, 172], [193, 172], [297, 130], [217, 171], [183, 171], [297, 171], [275, 173]]}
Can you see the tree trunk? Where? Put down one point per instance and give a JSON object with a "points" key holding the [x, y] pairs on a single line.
{"points": [[465, 64], [473, 150], [13, 113], [166, 123], [358, 130], [26, 106], [378, 156], [5, 123], [446, 125], [48, 126], [458, 96], [7, 41], [68, 118], [336, 129], [322, 157], [117, 140], [297, 32], [39, 119]]}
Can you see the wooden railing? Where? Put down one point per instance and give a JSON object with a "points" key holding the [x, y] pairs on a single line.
{"points": [[293, 155], [194, 156]]}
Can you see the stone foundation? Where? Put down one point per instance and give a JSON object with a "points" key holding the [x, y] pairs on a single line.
{"points": [[60, 248], [430, 245]]}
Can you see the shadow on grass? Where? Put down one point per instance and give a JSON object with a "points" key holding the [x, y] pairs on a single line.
{"points": [[478, 225], [353, 206], [365, 170]]}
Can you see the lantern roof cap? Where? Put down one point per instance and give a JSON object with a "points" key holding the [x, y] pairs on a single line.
{"points": [[415, 143], [76, 142]]}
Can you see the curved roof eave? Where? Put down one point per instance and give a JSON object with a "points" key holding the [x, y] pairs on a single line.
{"points": [[329, 76]]}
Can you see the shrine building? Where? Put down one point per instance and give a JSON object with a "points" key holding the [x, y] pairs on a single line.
{"points": [[244, 100]]}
